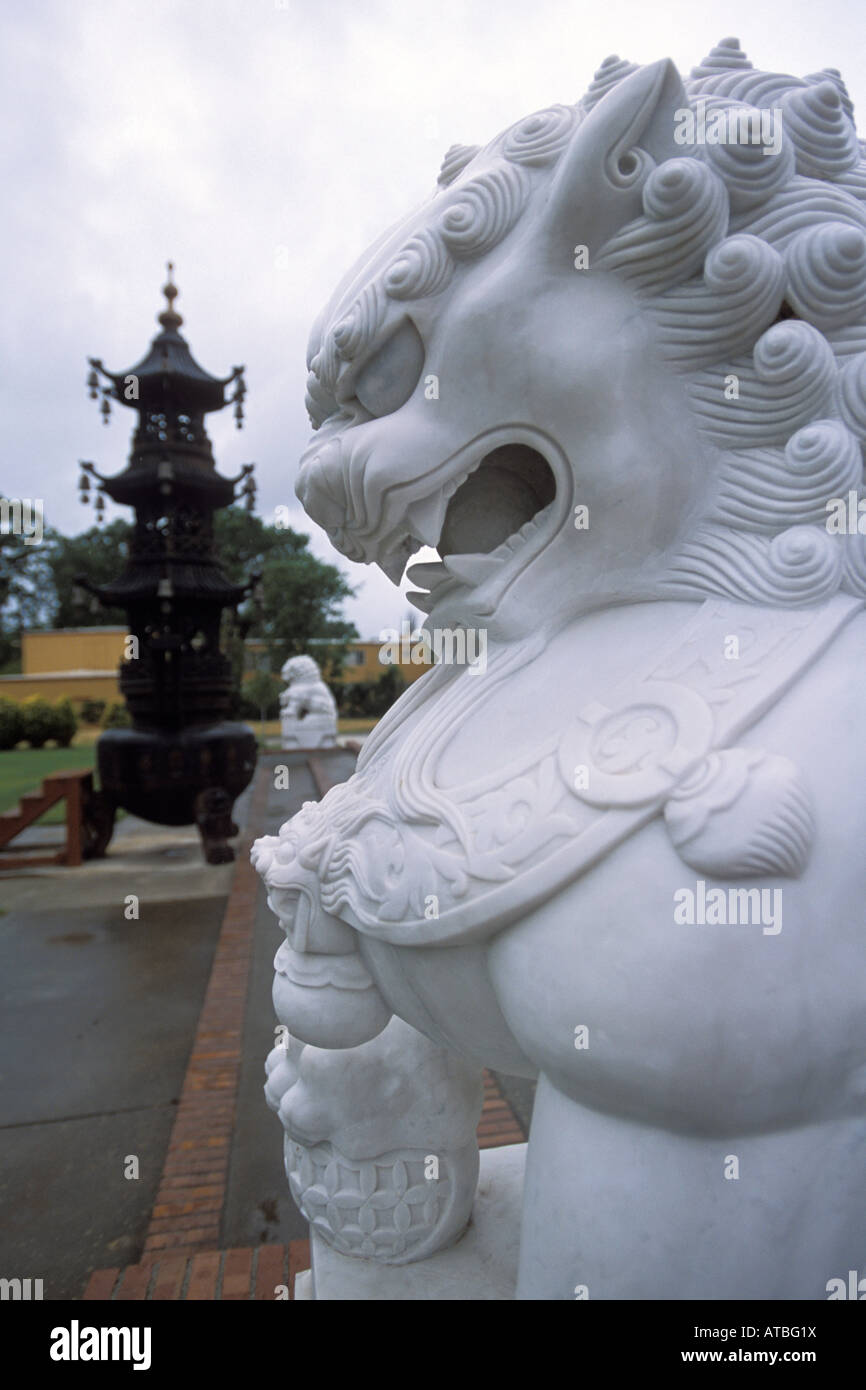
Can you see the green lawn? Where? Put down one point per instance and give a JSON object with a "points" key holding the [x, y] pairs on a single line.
{"points": [[357, 726], [272, 728], [22, 770]]}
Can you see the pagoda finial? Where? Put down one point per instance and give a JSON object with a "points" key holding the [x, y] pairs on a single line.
{"points": [[170, 318]]}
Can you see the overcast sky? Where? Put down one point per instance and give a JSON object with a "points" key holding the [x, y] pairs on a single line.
{"points": [[217, 132]]}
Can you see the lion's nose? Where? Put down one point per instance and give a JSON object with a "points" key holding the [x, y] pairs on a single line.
{"points": [[321, 487]]}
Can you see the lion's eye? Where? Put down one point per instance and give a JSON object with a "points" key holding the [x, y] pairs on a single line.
{"points": [[387, 381]]}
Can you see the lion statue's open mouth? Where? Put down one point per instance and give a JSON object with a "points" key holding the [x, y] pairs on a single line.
{"points": [[497, 507]]}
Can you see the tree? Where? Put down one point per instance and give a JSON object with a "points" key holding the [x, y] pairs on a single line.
{"points": [[300, 599], [98, 555], [244, 541], [25, 590], [263, 688], [300, 596]]}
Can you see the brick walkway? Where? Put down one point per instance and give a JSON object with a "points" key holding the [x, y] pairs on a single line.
{"points": [[498, 1124], [180, 1259], [186, 1214], [256, 1273]]}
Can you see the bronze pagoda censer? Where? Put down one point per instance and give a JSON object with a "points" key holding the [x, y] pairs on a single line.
{"points": [[184, 760]]}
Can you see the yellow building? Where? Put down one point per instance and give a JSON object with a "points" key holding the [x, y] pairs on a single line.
{"points": [[83, 663], [361, 663], [80, 662]]}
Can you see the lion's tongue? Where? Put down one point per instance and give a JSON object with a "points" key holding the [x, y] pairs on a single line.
{"points": [[488, 508]]}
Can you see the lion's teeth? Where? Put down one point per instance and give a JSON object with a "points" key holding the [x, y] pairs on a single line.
{"points": [[427, 517], [426, 574], [394, 562], [421, 601], [470, 569]]}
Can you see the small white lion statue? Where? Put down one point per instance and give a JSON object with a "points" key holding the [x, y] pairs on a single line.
{"points": [[308, 711]]}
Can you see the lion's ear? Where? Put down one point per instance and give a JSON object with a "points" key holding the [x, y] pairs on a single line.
{"points": [[599, 183]]}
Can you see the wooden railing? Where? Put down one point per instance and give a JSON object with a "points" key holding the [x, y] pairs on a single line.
{"points": [[77, 788]]}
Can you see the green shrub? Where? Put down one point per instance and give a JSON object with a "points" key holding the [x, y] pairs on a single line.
{"points": [[116, 716], [363, 699], [65, 723], [261, 693], [243, 708], [39, 721], [11, 723], [388, 688], [92, 711], [354, 697]]}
